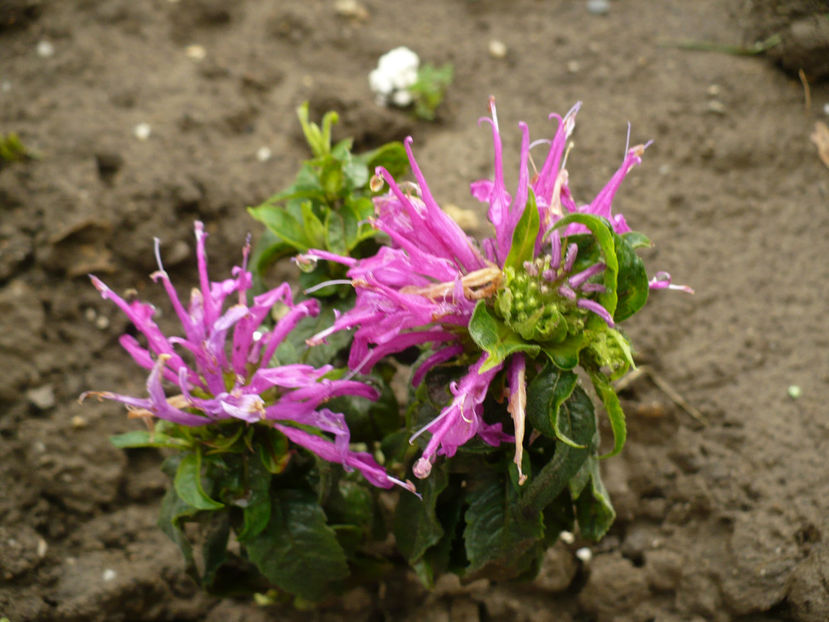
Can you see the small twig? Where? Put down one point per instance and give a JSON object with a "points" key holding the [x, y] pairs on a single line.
{"points": [[807, 93], [738, 50], [662, 385]]}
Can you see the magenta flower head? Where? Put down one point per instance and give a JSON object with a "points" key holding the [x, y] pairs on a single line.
{"points": [[536, 281], [221, 366]]}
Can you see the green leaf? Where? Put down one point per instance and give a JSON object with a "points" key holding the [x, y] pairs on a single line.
{"points": [[173, 512], [577, 420], [545, 395], [214, 549], [500, 542], [594, 512], [146, 438], [416, 526], [565, 355], [283, 225], [603, 233], [391, 156], [636, 240], [312, 226], [524, 236], [615, 414], [356, 173], [496, 338], [188, 483], [632, 286], [297, 551], [332, 178], [257, 509]]}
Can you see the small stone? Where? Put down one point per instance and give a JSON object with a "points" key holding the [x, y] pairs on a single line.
{"points": [[825, 106], [664, 169], [78, 422], [263, 154], [45, 49], [195, 52], [497, 49], [142, 131], [90, 314], [351, 9], [108, 575], [584, 554], [573, 66], [42, 548], [598, 7], [6, 86], [794, 391], [715, 106], [713, 90], [567, 537], [42, 398], [102, 322]]}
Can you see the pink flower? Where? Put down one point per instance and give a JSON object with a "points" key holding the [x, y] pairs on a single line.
{"points": [[221, 365], [423, 289]]}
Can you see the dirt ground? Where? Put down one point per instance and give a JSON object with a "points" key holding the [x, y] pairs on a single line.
{"points": [[724, 521]]}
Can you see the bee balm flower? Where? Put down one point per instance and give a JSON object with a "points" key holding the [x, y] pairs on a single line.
{"points": [[427, 286], [221, 365]]}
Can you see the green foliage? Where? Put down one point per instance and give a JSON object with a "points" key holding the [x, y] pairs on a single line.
{"points": [[430, 89], [329, 204], [12, 149]]}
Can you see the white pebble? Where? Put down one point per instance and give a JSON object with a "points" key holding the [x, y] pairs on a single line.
{"points": [[142, 131], [263, 154], [102, 322], [584, 554], [109, 574], [42, 548], [196, 52], [598, 7], [497, 49], [567, 537], [713, 90], [573, 66], [402, 98], [45, 49], [825, 107], [6, 86], [794, 391], [664, 169]]}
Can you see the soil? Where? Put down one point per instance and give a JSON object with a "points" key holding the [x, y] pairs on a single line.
{"points": [[726, 520]]}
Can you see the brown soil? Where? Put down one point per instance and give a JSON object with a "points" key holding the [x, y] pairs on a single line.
{"points": [[728, 521]]}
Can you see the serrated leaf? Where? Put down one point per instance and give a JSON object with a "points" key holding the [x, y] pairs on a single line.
{"points": [[416, 526], [312, 226], [615, 414], [632, 281], [576, 420], [297, 551], [496, 338], [173, 511], [356, 173], [594, 512], [500, 542], [391, 156], [188, 483], [524, 236], [283, 225], [257, 509], [214, 549], [545, 395]]}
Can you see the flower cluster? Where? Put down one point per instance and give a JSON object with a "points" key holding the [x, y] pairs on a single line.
{"points": [[425, 288], [221, 365]]}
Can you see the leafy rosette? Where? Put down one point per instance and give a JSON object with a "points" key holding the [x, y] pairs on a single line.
{"points": [[511, 316]]}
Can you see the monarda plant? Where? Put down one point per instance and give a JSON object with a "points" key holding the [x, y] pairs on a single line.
{"points": [[284, 461]]}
